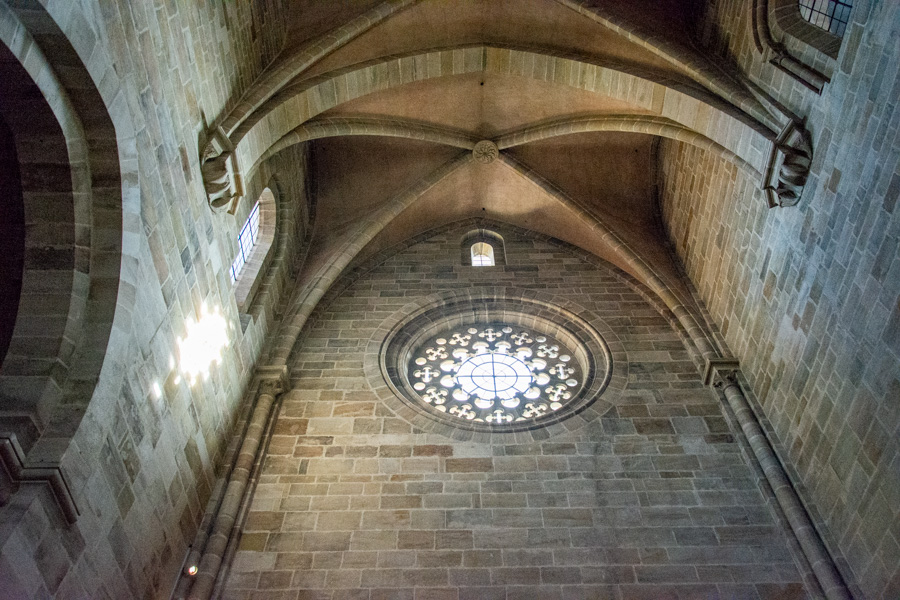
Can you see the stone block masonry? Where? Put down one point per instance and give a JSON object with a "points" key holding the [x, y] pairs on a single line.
{"points": [[653, 499], [141, 461], [816, 323]]}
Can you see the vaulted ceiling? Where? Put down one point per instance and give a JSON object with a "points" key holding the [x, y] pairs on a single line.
{"points": [[393, 96]]}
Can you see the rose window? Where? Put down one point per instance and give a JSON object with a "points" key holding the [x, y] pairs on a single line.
{"points": [[495, 374]]}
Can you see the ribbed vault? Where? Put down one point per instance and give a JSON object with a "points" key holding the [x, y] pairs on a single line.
{"points": [[393, 96]]}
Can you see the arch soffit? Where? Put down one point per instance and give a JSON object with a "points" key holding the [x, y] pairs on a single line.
{"points": [[53, 278], [704, 74], [691, 110], [98, 133], [294, 63], [682, 56]]}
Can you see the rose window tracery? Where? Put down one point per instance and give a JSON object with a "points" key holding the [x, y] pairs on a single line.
{"points": [[495, 374]]}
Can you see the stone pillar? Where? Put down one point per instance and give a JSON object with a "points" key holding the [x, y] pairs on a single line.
{"points": [[272, 382], [826, 573]]}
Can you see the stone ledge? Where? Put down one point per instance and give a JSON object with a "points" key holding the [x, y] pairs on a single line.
{"points": [[13, 459]]}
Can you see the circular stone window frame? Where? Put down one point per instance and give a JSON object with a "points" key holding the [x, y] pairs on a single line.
{"points": [[602, 358]]}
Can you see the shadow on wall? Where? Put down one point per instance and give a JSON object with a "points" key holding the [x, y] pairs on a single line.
{"points": [[12, 242]]}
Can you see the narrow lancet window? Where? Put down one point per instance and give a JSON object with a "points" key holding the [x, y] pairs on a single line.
{"points": [[246, 240]]}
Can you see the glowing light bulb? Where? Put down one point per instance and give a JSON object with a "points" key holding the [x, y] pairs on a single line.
{"points": [[192, 570]]}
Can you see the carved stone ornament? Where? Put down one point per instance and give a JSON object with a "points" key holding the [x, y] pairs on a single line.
{"points": [[485, 151], [221, 176], [789, 165], [715, 368], [273, 380], [272, 387], [723, 379]]}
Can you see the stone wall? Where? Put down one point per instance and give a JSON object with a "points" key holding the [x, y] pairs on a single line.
{"points": [[653, 498], [141, 461], [807, 297]]}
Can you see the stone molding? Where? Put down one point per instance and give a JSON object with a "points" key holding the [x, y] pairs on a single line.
{"points": [[724, 376], [343, 126], [691, 60], [215, 541], [644, 124], [222, 179], [53, 383], [287, 68], [20, 472], [716, 365]]}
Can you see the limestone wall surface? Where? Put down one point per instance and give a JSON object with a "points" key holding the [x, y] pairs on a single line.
{"points": [[807, 297], [141, 461], [652, 499]]}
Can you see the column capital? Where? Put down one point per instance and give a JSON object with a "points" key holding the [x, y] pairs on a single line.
{"points": [[273, 379], [716, 369]]}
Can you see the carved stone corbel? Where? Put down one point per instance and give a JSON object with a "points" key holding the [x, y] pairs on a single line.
{"points": [[221, 176], [789, 164]]}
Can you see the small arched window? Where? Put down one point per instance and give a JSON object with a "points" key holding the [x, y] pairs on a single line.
{"points": [[482, 248], [253, 245], [482, 255], [830, 15]]}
